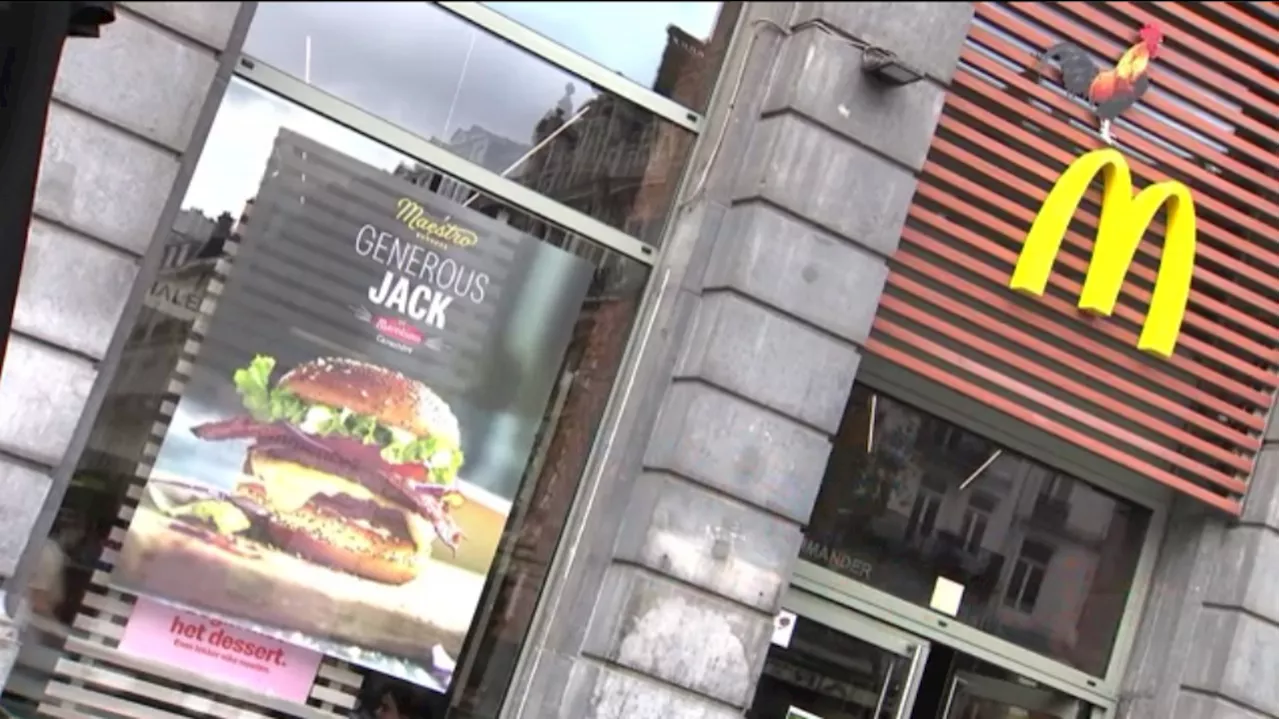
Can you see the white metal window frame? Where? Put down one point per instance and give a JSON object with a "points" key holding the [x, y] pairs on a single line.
{"points": [[1102, 692], [312, 98], [974, 523], [866, 629], [296, 90], [1028, 566], [911, 647]]}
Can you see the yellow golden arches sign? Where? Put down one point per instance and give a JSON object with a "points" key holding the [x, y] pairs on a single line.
{"points": [[1122, 222]]}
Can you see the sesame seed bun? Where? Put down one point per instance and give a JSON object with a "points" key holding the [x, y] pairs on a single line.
{"points": [[374, 548], [390, 397], [331, 540]]}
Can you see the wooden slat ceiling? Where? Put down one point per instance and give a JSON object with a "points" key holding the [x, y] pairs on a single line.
{"points": [[1193, 422]]}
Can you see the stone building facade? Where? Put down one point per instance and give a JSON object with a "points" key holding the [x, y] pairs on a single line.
{"points": [[674, 493]]}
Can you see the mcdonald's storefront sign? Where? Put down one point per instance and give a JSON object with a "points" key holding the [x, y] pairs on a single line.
{"points": [[1123, 220]]}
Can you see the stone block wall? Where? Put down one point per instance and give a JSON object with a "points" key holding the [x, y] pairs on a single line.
{"points": [[1209, 644], [129, 115], [745, 357]]}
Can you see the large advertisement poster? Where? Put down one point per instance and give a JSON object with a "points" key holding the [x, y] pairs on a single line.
{"points": [[341, 464]]}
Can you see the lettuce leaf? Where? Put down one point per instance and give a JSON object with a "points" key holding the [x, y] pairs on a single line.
{"points": [[265, 404], [425, 451], [253, 384]]}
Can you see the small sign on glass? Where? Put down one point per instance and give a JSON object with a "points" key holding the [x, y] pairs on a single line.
{"points": [[784, 625]]}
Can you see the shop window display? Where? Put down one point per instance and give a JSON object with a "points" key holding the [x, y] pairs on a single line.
{"points": [[1046, 561], [496, 105], [300, 228]]}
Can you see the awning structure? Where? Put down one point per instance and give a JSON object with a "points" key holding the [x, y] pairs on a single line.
{"points": [[31, 39]]}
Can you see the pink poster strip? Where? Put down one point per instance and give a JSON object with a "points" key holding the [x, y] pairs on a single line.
{"points": [[220, 651]]}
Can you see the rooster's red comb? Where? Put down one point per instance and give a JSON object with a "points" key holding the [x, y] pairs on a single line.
{"points": [[1151, 33]]}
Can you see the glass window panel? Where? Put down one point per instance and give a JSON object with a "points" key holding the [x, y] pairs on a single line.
{"points": [[983, 501], [827, 673], [930, 516], [1037, 552], [1031, 591], [1016, 582], [673, 48], [218, 205], [975, 529], [1057, 556], [978, 690], [494, 104]]}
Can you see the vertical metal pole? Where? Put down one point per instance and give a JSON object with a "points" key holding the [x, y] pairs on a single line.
{"points": [[956, 683], [884, 687], [911, 685]]}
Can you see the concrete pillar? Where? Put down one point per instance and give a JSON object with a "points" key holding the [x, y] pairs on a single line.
{"points": [[1208, 647], [130, 113], [689, 523]]}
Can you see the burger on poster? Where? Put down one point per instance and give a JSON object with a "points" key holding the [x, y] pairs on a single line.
{"points": [[352, 465]]}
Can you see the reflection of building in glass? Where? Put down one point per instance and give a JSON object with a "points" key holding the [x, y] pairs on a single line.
{"points": [[1045, 560], [620, 165], [606, 158], [486, 149], [687, 75], [133, 402], [475, 144], [155, 344], [617, 162], [420, 175]]}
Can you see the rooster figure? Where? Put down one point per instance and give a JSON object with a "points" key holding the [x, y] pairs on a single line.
{"points": [[1112, 91]]}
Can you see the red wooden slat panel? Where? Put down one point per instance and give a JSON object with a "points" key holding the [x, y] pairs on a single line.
{"points": [[1173, 103], [1203, 274], [1192, 422], [1202, 308], [953, 202], [1186, 51], [1202, 124], [1094, 326], [1110, 403], [1064, 358], [1228, 17], [996, 257], [960, 124], [911, 361], [1214, 231], [1182, 139]]}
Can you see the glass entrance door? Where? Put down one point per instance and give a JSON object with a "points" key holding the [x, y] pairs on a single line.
{"points": [[973, 696], [838, 665]]}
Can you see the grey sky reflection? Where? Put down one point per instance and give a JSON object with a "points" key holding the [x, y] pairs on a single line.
{"points": [[628, 37], [240, 141], [423, 68]]}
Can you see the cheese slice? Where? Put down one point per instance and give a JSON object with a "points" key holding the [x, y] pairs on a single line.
{"points": [[289, 485]]}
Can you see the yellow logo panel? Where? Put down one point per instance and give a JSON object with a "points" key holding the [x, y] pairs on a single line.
{"points": [[1123, 221]]}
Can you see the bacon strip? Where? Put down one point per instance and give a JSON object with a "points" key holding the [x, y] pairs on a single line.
{"points": [[344, 457], [244, 427]]}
